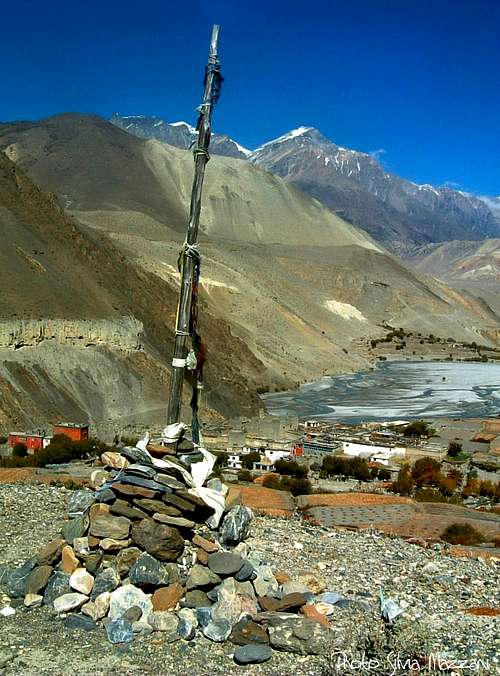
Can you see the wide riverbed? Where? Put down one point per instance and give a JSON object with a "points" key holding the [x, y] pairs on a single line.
{"points": [[397, 390]]}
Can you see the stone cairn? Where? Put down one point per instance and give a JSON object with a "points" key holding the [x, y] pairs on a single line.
{"points": [[136, 556]]}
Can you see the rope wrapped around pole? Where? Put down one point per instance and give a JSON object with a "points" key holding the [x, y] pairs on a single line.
{"points": [[189, 259]]}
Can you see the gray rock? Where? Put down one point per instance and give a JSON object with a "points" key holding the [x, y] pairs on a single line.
{"points": [[292, 587], [225, 563], [126, 597], [150, 485], [177, 521], [80, 502], [75, 528], [147, 571], [107, 526], [252, 654], [161, 541], [200, 576], [330, 597], [105, 495], [79, 622], [67, 602], [188, 614], [106, 580], [166, 622], [135, 455], [217, 631], [93, 561], [18, 579], [125, 559], [122, 508], [57, 585], [204, 616], [233, 599], [246, 572], [170, 482], [119, 631], [172, 572], [299, 635], [236, 525], [141, 471], [265, 583], [195, 598], [185, 629], [133, 614], [216, 485]]}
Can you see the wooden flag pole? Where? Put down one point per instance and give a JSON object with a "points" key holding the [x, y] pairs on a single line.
{"points": [[189, 255]]}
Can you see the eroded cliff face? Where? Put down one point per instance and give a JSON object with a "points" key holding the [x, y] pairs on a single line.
{"points": [[121, 334]]}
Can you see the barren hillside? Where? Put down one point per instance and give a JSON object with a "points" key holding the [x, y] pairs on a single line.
{"points": [[297, 285]]}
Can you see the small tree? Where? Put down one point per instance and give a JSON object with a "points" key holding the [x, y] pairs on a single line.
{"points": [[427, 472], [271, 481], [248, 460], [245, 475], [454, 449], [404, 484], [20, 450], [418, 428]]}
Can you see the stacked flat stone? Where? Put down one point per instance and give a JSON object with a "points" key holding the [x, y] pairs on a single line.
{"points": [[136, 556]]}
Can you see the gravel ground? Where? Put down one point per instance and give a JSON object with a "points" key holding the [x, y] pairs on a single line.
{"points": [[433, 588]]}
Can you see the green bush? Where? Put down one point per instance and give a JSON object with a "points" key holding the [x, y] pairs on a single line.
{"points": [[454, 449], [3, 440], [405, 483], [290, 468], [462, 534]]}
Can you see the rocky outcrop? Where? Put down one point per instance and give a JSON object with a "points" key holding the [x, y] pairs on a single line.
{"points": [[121, 334]]}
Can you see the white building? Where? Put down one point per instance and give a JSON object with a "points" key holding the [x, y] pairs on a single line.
{"points": [[234, 462], [377, 453]]}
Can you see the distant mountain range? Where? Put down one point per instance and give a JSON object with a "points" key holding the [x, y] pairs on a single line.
{"points": [[400, 214], [178, 134]]}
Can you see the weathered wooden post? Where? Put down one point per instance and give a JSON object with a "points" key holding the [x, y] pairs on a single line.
{"points": [[189, 258]]}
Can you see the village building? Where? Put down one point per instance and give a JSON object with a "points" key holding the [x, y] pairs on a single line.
{"points": [[34, 441], [75, 431]]}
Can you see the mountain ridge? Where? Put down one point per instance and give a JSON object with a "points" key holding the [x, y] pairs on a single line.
{"points": [[399, 213]]}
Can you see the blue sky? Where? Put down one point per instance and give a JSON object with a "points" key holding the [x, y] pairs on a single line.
{"points": [[418, 81]]}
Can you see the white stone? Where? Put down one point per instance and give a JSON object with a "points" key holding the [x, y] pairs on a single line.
{"points": [[7, 611], [67, 602], [324, 608], [127, 596], [82, 581], [81, 545], [110, 544], [33, 600]]}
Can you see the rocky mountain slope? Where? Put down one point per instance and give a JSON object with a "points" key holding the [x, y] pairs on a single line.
{"points": [[474, 266], [298, 285], [396, 212], [178, 134], [83, 331]]}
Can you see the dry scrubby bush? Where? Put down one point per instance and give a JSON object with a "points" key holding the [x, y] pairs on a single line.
{"points": [[462, 534], [336, 465], [295, 485]]}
